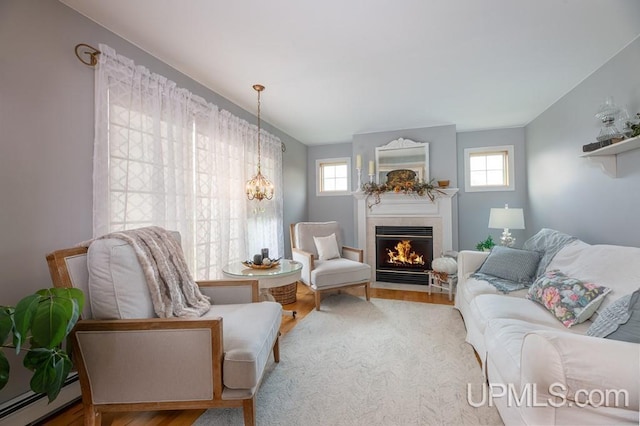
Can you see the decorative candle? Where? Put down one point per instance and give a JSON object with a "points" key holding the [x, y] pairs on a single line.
{"points": [[372, 168], [358, 161]]}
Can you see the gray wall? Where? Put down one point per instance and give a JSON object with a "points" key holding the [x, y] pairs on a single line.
{"points": [[569, 193], [46, 143], [340, 208], [474, 207]]}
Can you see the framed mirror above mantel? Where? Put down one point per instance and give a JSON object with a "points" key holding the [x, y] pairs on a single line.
{"points": [[402, 154]]}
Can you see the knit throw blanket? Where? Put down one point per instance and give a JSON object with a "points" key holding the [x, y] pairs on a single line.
{"points": [[173, 291]]}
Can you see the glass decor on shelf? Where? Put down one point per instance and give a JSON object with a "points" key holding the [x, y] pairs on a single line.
{"points": [[608, 114]]}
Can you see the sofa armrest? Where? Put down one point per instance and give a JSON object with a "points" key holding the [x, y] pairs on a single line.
{"points": [[227, 292], [126, 360], [353, 253], [306, 259], [571, 369], [469, 261]]}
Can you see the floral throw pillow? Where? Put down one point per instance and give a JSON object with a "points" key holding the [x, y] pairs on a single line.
{"points": [[570, 300]]}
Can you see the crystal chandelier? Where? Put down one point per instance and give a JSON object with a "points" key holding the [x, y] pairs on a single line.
{"points": [[259, 187]]}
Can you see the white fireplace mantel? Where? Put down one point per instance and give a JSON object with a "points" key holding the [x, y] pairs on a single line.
{"points": [[394, 207]]}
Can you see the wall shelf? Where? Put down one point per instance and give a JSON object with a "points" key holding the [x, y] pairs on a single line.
{"points": [[606, 157]]}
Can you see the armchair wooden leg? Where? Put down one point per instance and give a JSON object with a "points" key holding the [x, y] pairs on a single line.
{"points": [[317, 293], [276, 349], [367, 291], [91, 416], [249, 411]]}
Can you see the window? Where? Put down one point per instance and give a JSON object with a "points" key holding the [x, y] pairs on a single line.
{"points": [[333, 176], [489, 169]]}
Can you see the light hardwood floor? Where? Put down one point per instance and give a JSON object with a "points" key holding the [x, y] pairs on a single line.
{"points": [[72, 415]]}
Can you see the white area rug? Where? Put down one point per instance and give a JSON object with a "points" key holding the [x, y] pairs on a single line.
{"points": [[385, 362]]}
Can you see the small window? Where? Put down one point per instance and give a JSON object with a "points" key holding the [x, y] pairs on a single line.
{"points": [[489, 169], [333, 176]]}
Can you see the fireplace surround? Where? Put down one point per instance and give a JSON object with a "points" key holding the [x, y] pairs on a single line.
{"points": [[405, 210]]}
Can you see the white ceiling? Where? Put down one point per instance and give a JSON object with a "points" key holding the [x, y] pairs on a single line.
{"points": [[335, 68]]}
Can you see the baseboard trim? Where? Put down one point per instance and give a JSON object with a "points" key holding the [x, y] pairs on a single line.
{"points": [[30, 407]]}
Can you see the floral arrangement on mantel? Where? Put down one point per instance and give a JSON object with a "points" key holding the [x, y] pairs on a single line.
{"points": [[411, 187]]}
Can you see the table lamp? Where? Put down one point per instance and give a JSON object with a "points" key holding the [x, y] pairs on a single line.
{"points": [[506, 219]]}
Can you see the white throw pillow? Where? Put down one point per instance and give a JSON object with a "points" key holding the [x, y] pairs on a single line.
{"points": [[327, 247]]}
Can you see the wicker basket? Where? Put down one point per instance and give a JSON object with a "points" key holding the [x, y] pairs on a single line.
{"points": [[285, 294]]}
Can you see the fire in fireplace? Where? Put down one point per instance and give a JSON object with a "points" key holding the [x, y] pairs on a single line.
{"points": [[403, 253]]}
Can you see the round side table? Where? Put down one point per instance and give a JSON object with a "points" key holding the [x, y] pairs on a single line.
{"points": [[287, 272]]}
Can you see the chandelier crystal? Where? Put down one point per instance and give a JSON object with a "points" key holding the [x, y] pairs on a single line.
{"points": [[259, 187]]}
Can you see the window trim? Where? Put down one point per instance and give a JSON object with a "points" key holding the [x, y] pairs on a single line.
{"points": [[340, 160], [511, 186]]}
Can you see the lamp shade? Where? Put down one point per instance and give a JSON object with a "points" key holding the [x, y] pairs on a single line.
{"points": [[506, 218]]}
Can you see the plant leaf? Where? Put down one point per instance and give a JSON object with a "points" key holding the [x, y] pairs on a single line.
{"points": [[6, 322], [36, 358], [44, 376], [62, 366], [50, 321], [23, 317], [4, 370]]}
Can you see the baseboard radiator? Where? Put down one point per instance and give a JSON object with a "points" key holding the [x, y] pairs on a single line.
{"points": [[28, 408]]}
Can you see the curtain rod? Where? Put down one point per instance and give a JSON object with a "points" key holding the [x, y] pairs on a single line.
{"points": [[91, 51]]}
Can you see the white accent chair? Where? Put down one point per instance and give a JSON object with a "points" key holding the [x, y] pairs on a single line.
{"points": [[321, 276], [140, 363]]}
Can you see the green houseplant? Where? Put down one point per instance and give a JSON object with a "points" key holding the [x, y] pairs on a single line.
{"points": [[39, 324], [485, 245]]}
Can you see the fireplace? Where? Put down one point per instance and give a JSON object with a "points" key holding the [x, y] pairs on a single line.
{"points": [[403, 253]]}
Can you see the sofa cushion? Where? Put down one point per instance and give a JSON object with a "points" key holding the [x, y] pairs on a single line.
{"points": [[487, 307], [117, 286], [511, 264], [329, 273], [327, 247], [570, 300], [620, 321], [249, 331]]}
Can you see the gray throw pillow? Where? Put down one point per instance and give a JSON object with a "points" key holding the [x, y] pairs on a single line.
{"points": [[511, 264], [620, 320]]}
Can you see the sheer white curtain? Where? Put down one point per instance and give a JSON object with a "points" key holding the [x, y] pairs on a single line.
{"points": [[163, 156]]}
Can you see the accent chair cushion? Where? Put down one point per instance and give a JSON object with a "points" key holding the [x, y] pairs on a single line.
{"points": [[327, 247], [619, 321], [570, 300], [117, 287], [337, 272], [248, 331], [511, 264]]}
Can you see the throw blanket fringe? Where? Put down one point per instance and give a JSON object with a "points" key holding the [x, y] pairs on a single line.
{"points": [[173, 290]]}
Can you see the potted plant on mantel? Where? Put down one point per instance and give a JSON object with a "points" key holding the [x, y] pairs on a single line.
{"points": [[39, 324]]}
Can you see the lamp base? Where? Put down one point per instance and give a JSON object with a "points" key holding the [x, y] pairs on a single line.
{"points": [[506, 239]]}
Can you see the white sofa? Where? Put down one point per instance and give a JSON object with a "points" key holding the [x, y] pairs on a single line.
{"points": [[540, 372]]}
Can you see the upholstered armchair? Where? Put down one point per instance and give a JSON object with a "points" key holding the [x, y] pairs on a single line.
{"points": [[327, 265], [140, 363]]}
